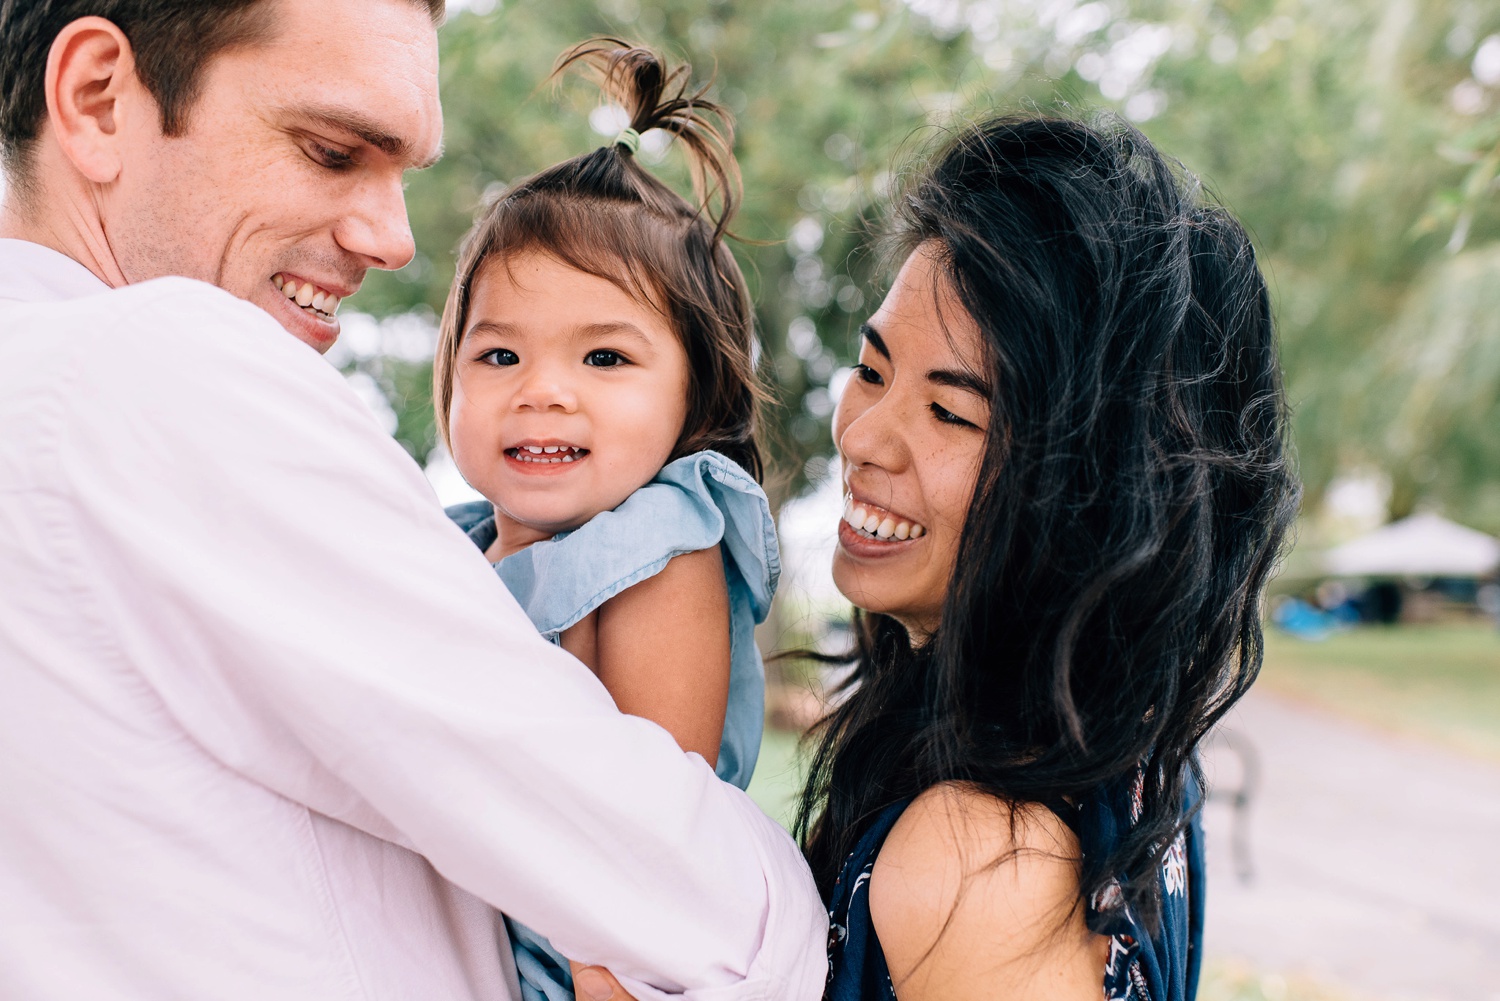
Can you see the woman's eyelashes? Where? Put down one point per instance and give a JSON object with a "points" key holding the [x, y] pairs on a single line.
{"points": [[868, 374], [947, 416]]}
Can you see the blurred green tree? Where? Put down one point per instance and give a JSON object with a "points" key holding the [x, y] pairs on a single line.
{"points": [[1358, 139]]}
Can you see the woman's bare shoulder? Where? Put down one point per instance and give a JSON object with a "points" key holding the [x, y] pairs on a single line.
{"points": [[973, 896]]}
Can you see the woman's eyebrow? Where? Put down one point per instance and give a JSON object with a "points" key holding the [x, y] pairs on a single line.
{"points": [[966, 381], [876, 341]]}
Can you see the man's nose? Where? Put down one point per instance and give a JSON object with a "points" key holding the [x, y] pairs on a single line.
{"points": [[377, 227]]}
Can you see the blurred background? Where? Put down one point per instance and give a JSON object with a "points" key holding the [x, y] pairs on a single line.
{"points": [[1354, 820], [1355, 817]]}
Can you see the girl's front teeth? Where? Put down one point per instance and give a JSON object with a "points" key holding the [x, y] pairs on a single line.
{"points": [[549, 453], [877, 524]]}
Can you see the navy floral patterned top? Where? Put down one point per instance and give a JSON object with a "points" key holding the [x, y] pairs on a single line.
{"points": [[1143, 965]]}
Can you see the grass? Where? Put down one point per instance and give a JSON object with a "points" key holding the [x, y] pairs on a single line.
{"points": [[779, 774], [1439, 682]]}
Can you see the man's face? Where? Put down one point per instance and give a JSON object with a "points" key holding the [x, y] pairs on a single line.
{"points": [[287, 186]]}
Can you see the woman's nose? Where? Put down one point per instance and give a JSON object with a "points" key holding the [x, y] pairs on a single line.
{"points": [[871, 437]]}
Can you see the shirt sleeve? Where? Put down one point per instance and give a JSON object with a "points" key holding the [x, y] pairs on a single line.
{"points": [[281, 574]]}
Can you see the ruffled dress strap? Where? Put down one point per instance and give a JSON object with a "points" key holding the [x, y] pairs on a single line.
{"points": [[1145, 964], [857, 969], [694, 503]]}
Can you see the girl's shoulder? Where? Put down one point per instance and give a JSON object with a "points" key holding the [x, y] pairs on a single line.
{"points": [[698, 503], [971, 893]]}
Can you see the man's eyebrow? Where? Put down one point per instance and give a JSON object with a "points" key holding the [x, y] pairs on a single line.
{"points": [[966, 381], [354, 123], [876, 341]]}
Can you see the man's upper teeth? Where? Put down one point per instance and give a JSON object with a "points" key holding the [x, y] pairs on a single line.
{"points": [[880, 524], [307, 295]]}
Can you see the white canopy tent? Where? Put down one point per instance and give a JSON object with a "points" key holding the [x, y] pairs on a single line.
{"points": [[1424, 545]]}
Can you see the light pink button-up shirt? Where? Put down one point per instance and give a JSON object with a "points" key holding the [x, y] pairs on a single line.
{"points": [[270, 727]]}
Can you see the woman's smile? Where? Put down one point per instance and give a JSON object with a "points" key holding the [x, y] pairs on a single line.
{"points": [[869, 530]]}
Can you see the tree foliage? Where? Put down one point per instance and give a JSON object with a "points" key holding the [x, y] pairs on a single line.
{"points": [[1358, 139]]}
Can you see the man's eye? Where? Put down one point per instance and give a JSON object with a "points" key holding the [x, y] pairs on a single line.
{"points": [[327, 156], [500, 356], [868, 374], [949, 417], [604, 358]]}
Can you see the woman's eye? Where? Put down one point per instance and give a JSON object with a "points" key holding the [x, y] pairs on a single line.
{"points": [[500, 356], [949, 417], [604, 358], [868, 374]]}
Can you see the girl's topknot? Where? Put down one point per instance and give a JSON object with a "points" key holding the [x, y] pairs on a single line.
{"points": [[658, 96]]}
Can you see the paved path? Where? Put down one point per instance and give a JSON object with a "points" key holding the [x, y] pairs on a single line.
{"points": [[1376, 857]]}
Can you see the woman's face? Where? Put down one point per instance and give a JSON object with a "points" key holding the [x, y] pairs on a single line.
{"points": [[910, 430]]}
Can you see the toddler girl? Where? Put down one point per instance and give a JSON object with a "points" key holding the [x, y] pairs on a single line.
{"points": [[594, 381]]}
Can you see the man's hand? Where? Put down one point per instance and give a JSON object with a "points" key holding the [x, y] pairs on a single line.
{"points": [[595, 983]]}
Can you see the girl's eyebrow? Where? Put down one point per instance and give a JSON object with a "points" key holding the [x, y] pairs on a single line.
{"points": [[876, 341], [491, 327], [611, 328]]}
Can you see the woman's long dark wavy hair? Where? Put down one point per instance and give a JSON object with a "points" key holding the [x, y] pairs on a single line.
{"points": [[1136, 489]]}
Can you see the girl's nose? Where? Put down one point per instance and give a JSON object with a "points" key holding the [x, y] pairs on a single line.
{"points": [[545, 390]]}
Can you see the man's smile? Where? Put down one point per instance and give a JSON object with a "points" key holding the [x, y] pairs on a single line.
{"points": [[313, 298]]}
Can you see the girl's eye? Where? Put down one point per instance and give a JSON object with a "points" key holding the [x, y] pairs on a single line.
{"points": [[868, 374], [604, 358], [500, 356], [949, 417]]}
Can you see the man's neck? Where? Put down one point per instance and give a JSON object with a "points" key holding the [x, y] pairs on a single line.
{"points": [[69, 226]]}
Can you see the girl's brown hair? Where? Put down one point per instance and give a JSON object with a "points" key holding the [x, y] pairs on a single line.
{"points": [[606, 215]]}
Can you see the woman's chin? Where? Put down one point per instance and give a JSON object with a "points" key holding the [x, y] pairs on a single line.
{"points": [[880, 590]]}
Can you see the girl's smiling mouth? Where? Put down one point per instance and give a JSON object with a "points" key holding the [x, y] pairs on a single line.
{"points": [[538, 456]]}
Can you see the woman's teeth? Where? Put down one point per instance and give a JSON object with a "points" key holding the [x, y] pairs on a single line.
{"points": [[308, 296], [880, 525], [547, 453]]}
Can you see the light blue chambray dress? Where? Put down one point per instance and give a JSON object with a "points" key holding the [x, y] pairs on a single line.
{"points": [[697, 502]]}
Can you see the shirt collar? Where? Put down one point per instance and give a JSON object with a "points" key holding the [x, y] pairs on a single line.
{"points": [[30, 272]]}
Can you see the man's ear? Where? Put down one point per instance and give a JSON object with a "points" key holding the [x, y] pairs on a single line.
{"points": [[90, 82]]}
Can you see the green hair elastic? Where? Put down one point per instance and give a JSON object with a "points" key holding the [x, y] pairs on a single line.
{"points": [[630, 139]]}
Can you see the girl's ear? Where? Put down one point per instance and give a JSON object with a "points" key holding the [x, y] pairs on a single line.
{"points": [[93, 93]]}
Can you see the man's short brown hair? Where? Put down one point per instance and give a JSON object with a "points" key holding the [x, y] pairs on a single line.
{"points": [[173, 42]]}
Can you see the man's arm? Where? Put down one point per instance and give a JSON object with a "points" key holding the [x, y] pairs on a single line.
{"points": [[280, 573]]}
